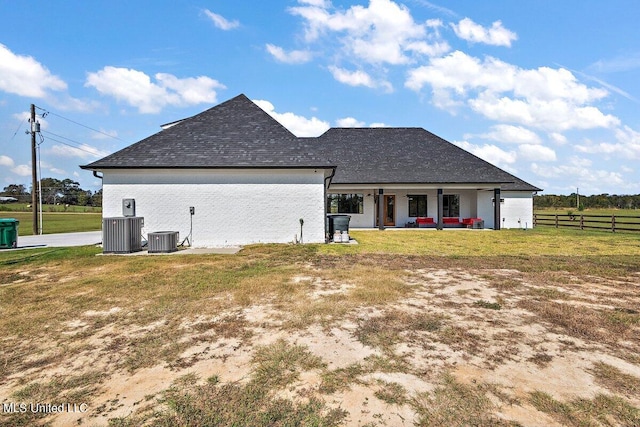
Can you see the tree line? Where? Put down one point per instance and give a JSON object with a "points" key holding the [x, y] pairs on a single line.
{"points": [[55, 191], [596, 201]]}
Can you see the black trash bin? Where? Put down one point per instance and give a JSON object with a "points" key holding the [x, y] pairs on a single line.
{"points": [[338, 222]]}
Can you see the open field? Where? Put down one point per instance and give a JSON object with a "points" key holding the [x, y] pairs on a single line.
{"points": [[616, 220], [410, 327], [26, 207], [574, 211], [56, 222]]}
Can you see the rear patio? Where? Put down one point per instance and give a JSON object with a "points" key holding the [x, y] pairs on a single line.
{"points": [[429, 207]]}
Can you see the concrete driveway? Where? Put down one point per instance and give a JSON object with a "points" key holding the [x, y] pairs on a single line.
{"points": [[60, 240]]}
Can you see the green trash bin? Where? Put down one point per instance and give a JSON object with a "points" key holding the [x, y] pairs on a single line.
{"points": [[8, 233]]}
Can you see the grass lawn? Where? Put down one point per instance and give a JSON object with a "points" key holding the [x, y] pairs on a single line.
{"points": [[409, 327], [487, 243], [56, 222]]}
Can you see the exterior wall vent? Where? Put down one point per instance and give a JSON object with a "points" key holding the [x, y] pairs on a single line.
{"points": [[163, 241], [122, 235]]}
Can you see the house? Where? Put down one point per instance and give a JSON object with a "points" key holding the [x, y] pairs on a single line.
{"points": [[233, 175]]}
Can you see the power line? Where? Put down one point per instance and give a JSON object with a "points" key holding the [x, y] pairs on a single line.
{"points": [[79, 124], [17, 130], [93, 153], [63, 137]]}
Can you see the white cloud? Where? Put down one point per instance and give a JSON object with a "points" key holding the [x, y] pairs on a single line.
{"points": [[626, 147], [511, 135], [220, 21], [298, 125], [491, 153], [84, 151], [58, 171], [497, 35], [536, 152], [22, 170], [558, 138], [558, 115], [291, 57], [617, 64], [349, 122], [544, 98], [136, 88], [630, 139], [582, 174], [25, 76], [460, 73], [317, 3], [6, 161], [383, 32], [358, 78]]}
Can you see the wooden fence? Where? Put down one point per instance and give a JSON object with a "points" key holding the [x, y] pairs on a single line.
{"points": [[584, 222]]}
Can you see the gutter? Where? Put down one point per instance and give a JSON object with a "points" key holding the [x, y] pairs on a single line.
{"points": [[329, 178]]}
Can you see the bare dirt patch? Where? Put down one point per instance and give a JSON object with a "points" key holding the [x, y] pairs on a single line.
{"points": [[337, 342]]}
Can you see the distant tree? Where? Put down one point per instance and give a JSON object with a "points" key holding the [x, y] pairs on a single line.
{"points": [[14, 190], [96, 199], [66, 191], [51, 191], [596, 201]]}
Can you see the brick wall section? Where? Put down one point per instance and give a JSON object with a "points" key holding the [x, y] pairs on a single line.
{"points": [[232, 207]]}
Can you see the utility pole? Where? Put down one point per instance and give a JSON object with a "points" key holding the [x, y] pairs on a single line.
{"points": [[34, 171], [578, 198]]}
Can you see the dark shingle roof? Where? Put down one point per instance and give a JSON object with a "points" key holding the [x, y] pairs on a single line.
{"points": [[239, 134], [234, 134], [407, 155]]}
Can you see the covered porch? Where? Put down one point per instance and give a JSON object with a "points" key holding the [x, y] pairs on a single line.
{"points": [[429, 206]]}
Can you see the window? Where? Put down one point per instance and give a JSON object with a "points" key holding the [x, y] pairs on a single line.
{"points": [[451, 205], [417, 205], [345, 203]]}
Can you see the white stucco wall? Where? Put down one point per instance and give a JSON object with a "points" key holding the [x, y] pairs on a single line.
{"points": [[515, 212], [485, 207], [517, 209], [232, 207]]}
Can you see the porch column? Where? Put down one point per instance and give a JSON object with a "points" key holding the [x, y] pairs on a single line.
{"points": [[496, 209], [380, 209], [440, 209]]}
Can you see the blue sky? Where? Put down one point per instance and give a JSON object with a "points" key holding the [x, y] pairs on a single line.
{"points": [[548, 90]]}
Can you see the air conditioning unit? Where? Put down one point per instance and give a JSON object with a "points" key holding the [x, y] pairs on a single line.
{"points": [[122, 235], [163, 241]]}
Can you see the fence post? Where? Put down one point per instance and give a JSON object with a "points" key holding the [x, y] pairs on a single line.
{"points": [[581, 222], [613, 223], [556, 220]]}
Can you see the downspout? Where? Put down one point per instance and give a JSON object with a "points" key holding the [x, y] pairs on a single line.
{"points": [[95, 173], [326, 187]]}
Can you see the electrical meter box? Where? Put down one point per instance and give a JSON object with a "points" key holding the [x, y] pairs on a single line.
{"points": [[128, 207]]}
